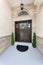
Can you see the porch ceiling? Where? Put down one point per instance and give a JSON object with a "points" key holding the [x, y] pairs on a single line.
{"points": [[14, 3]]}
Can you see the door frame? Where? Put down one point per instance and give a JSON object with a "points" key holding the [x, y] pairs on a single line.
{"points": [[22, 21]]}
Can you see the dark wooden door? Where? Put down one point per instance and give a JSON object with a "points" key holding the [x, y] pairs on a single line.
{"points": [[23, 31]]}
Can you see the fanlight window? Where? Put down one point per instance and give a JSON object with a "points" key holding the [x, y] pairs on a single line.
{"points": [[21, 13]]}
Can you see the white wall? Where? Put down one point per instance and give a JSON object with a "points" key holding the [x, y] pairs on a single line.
{"points": [[5, 18], [39, 21]]}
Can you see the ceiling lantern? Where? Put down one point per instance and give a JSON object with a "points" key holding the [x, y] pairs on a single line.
{"points": [[23, 11]]}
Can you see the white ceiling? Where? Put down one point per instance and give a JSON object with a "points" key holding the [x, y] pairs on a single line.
{"points": [[14, 3], [18, 2], [38, 2]]}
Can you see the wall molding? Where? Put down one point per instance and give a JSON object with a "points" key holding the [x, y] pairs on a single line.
{"points": [[5, 42], [40, 44]]}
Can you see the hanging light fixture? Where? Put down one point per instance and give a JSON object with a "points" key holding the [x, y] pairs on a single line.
{"points": [[23, 10], [22, 6]]}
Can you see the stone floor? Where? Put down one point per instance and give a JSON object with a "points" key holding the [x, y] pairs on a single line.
{"points": [[14, 57]]}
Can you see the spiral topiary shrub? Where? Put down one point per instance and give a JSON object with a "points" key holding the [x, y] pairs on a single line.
{"points": [[12, 38], [34, 40]]}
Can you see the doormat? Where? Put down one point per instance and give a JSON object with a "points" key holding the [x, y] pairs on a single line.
{"points": [[22, 48]]}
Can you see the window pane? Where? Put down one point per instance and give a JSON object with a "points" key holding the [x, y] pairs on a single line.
{"points": [[23, 25]]}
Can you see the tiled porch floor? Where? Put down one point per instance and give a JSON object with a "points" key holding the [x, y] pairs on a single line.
{"points": [[13, 57]]}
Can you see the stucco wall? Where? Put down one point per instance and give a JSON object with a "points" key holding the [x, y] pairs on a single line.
{"points": [[39, 28], [5, 25], [5, 18], [39, 21]]}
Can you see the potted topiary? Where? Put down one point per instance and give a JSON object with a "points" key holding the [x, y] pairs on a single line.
{"points": [[34, 40], [12, 38]]}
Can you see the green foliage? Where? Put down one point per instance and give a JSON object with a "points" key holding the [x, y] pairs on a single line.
{"points": [[34, 40], [12, 38]]}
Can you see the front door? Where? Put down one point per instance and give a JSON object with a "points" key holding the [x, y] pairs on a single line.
{"points": [[23, 31]]}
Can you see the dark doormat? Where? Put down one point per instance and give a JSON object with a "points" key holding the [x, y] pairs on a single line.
{"points": [[22, 48]]}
